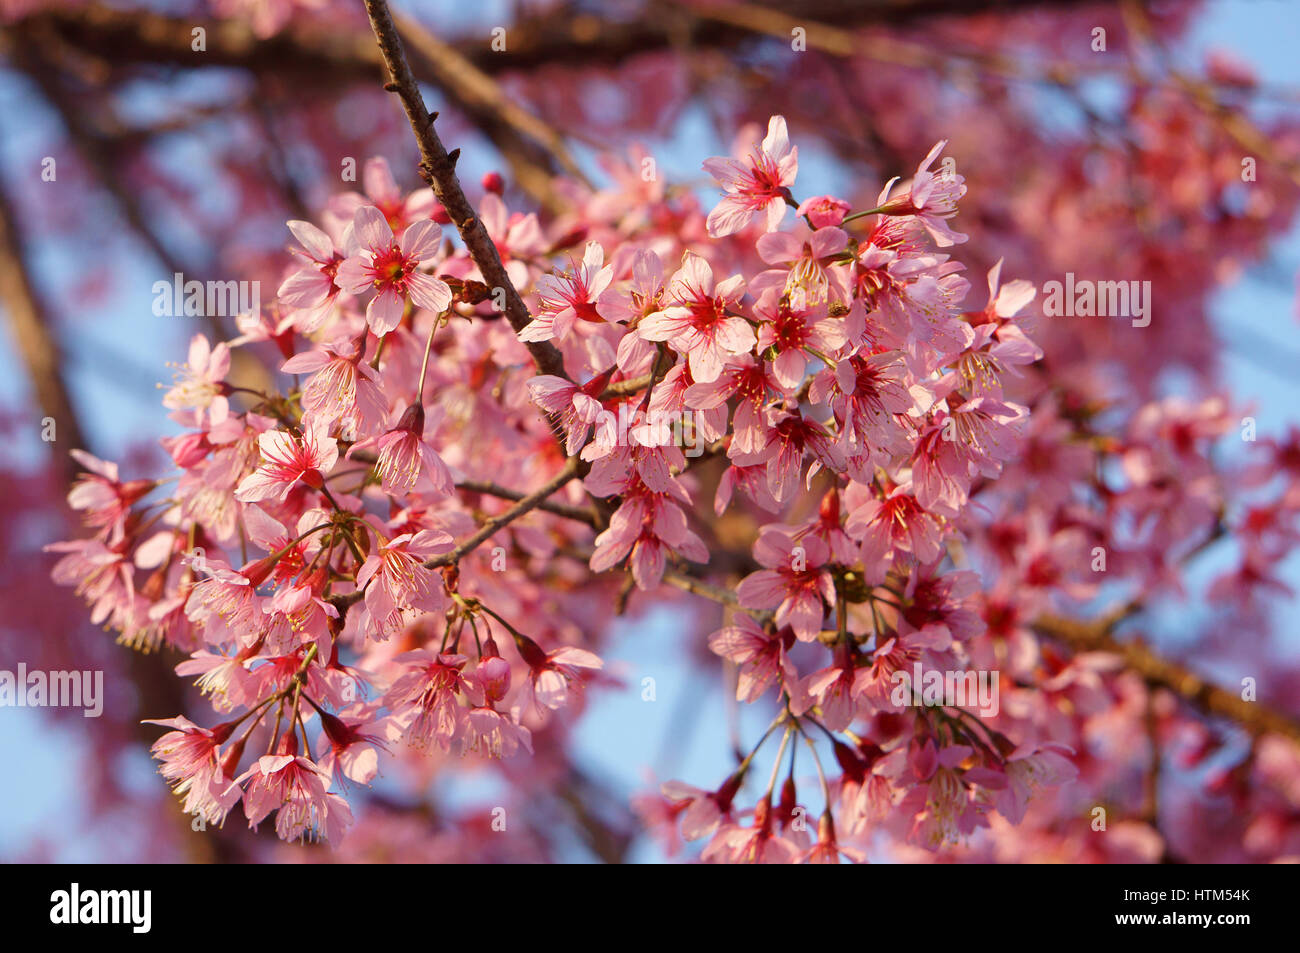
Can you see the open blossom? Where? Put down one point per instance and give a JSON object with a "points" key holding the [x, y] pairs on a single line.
{"points": [[569, 297], [342, 384], [647, 527], [760, 658], [552, 676], [696, 319], [641, 297], [191, 763], [382, 192], [755, 185], [805, 273], [202, 387], [404, 456], [828, 850], [791, 334], [702, 811], [868, 786], [103, 577], [793, 582], [351, 742], [312, 288], [518, 237], [287, 459], [831, 691], [494, 734], [999, 343], [103, 499], [395, 579], [895, 524], [871, 398], [760, 843], [576, 406], [425, 700], [1029, 769], [785, 438], [943, 810], [223, 678], [932, 197], [230, 596], [749, 380], [297, 790], [380, 262]]}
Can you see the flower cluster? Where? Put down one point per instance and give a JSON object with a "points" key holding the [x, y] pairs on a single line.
{"points": [[349, 559]]}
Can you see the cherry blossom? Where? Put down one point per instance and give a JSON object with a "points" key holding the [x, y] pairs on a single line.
{"points": [[757, 184], [379, 261]]}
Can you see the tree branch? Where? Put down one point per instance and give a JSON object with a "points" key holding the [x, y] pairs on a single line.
{"points": [[489, 488], [439, 169], [36, 343], [512, 128], [1254, 717], [561, 38], [525, 505]]}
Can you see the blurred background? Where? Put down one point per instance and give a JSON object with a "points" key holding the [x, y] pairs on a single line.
{"points": [[170, 159]]}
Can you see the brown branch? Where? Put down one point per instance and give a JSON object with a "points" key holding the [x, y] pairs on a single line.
{"points": [[580, 38], [561, 38], [489, 488], [698, 587], [512, 128], [630, 386], [526, 505], [439, 170], [1255, 718], [36, 343]]}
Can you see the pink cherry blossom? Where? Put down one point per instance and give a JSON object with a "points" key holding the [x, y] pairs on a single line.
{"points": [[312, 288], [569, 297], [756, 185], [390, 267], [287, 459], [696, 320], [202, 388], [793, 582], [396, 577], [294, 788]]}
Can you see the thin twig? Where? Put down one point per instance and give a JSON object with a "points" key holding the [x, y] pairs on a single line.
{"points": [[559, 509], [526, 505]]}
